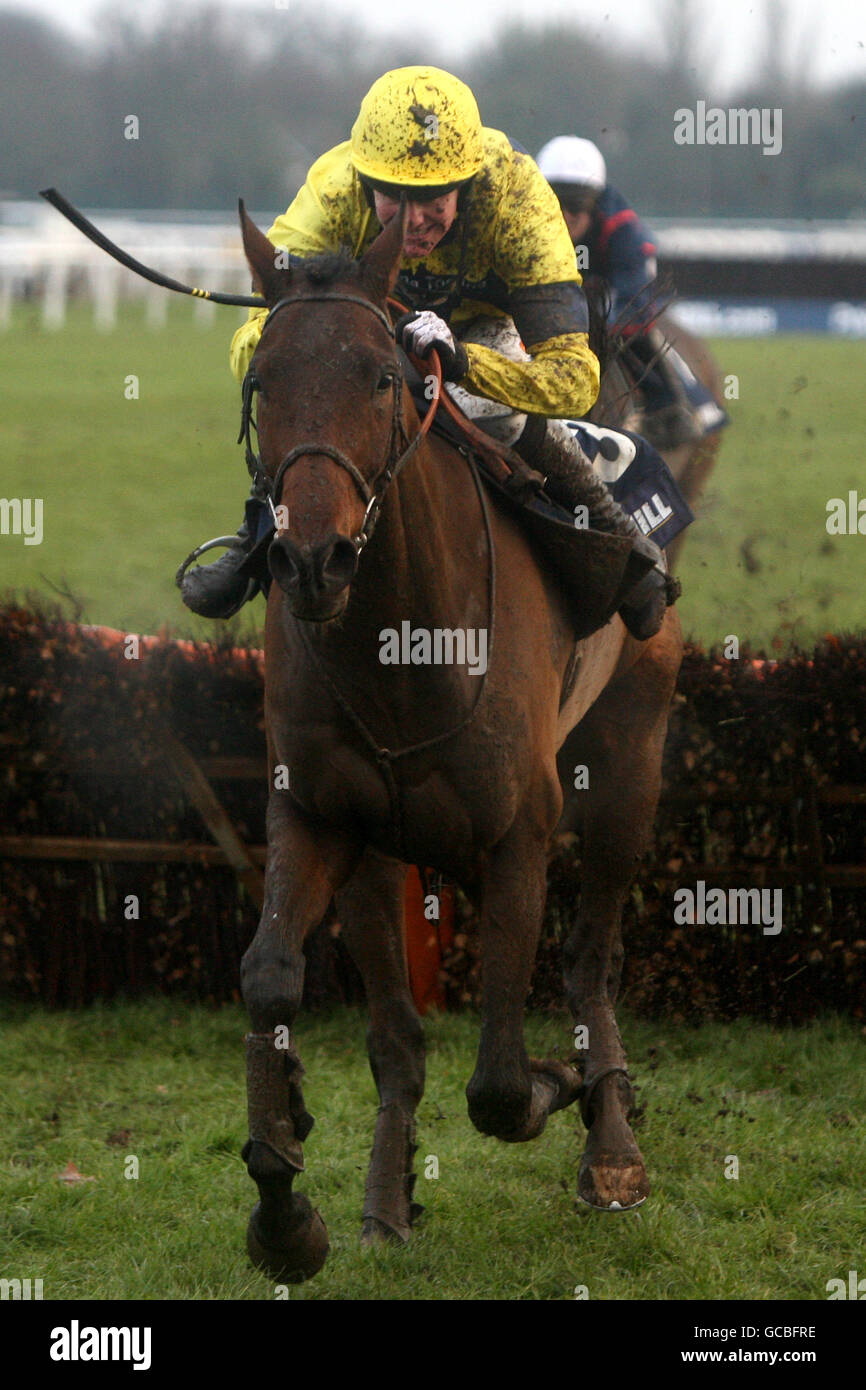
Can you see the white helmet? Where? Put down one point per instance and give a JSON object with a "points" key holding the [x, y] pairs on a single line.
{"points": [[570, 159]]}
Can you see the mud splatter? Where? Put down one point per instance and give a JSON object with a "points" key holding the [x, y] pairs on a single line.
{"points": [[422, 115]]}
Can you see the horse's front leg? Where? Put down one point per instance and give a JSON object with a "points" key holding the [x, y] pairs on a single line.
{"points": [[305, 865], [510, 1095], [621, 741], [370, 908]]}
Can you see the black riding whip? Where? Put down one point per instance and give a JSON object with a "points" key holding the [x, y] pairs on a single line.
{"points": [[57, 200]]}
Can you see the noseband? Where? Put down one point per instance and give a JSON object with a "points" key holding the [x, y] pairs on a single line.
{"points": [[267, 490]]}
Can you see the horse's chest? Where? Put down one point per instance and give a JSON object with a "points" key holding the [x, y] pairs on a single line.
{"points": [[434, 808]]}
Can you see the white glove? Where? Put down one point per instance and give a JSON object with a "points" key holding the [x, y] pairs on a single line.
{"points": [[427, 330], [422, 331]]}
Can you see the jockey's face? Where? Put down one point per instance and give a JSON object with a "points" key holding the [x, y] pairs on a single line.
{"points": [[426, 223], [577, 224]]}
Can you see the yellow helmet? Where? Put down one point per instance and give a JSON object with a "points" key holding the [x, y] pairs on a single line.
{"points": [[418, 127]]}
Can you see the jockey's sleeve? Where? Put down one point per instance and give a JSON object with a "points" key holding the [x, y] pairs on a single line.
{"points": [[245, 342], [563, 376], [534, 256], [561, 379], [631, 278]]}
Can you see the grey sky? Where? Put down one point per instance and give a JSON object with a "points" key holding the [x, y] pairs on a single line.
{"points": [[826, 40]]}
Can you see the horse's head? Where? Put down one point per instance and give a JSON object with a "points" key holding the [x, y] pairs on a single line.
{"points": [[330, 411]]}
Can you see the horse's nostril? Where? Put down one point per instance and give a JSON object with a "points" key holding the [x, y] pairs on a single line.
{"points": [[338, 564], [283, 563]]}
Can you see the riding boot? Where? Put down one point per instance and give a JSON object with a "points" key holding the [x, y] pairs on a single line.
{"points": [[573, 482], [220, 589]]}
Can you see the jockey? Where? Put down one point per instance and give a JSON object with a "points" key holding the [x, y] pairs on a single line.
{"points": [[619, 250], [488, 267]]}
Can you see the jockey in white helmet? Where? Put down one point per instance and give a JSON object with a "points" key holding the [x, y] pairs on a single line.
{"points": [[614, 245]]}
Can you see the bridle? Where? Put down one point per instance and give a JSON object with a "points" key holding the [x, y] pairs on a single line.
{"points": [[270, 490]]}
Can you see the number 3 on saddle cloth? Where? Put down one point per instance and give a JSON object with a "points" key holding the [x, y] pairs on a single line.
{"points": [[638, 478]]}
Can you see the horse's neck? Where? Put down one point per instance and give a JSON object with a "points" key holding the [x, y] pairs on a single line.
{"points": [[411, 572]]}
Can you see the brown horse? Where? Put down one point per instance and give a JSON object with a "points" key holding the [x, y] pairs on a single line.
{"points": [[427, 761]]}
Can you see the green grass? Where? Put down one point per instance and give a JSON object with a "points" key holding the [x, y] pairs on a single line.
{"points": [[501, 1221], [758, 561], [130, 486]]}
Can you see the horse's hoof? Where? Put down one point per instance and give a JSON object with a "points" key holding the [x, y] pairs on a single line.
{"points": [[606, 1187], [375, 1232], [302, 1253], [614, 1206]]}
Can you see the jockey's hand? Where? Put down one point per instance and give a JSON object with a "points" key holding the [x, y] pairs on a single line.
{"points": [[422, 331]]}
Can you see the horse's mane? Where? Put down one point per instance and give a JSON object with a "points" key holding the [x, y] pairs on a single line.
{"points": [[608, 339]]}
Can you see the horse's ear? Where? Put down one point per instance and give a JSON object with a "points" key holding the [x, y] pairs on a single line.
{"points": [[270, 278], [380, 265]]}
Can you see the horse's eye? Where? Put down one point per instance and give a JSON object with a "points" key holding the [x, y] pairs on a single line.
{"points": [[386, 379]]}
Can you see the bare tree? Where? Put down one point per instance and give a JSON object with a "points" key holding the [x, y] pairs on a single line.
{"points": [[683, 35]]}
